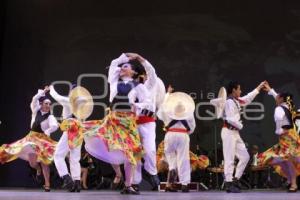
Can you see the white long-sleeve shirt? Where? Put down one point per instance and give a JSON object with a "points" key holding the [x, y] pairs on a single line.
{"points": [[141, 91], [62, 100], [50, 124], [151, 86], [232, 111], [166, 119], [279, 115]]}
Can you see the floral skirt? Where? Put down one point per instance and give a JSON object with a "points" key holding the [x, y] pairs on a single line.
{"points": [[288, 149], [197, 162], [117, 132], [34, 143]]}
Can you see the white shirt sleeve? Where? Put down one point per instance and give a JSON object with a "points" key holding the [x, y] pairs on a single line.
{"points": [[114, 73], [230, 115], [247, 99], [35, 104], [162, 115], [273, 93], [192, 124], [151, 75], [53, 125], [141, 93], [279, 120], [59, 98]]}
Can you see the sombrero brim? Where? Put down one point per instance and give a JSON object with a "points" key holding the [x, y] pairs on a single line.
{"points": [[83, 109], [176, 98]]}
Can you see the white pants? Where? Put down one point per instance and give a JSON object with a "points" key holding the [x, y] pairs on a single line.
{"points": [[177, 152], [147, 133], [233, 146], [61, 151]]}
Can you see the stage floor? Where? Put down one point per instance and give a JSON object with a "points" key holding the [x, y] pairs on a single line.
{"points": [[29, 194]]}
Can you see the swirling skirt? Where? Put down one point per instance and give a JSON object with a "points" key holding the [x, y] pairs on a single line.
{"points": [[34, 143]]}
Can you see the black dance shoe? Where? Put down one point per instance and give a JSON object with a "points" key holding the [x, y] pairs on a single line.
{"points": [[185, 189], [76, 186], [68, 182], [231, 188], [130, 190], [117, 186]]}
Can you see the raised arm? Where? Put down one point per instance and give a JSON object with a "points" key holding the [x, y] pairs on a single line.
{"points": [[35, 104], [59, 98], [114, 70], [270, 90], [151, 75], [160, 113], [113, 74], [247, 99]]}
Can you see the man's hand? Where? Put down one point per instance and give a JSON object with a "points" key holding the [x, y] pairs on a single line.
{"points": [[261, 85], [267, 87], [46, 89], [170, 89]]}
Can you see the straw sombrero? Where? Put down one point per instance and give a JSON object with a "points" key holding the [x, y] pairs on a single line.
{"points": [[219, 102], [81, 102], [179, 106]]}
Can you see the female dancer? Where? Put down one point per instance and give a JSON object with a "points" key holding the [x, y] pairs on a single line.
{"points": [[115, 139], [37, 147], [285, 155]]}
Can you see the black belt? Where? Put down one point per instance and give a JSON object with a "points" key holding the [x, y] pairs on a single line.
{"points": [[147, 113], [229, 126]]}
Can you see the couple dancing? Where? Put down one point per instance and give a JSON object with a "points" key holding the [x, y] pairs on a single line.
{"points": [[284, 156]]}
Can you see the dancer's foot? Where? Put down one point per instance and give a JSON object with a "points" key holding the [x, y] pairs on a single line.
{"points": [[76, 186], [118, 183], [231, 188], [129, 190], [39, 176], [293, 189], [46, 188], [136, 187], [185, 189], [170, 188], [68, 182]]}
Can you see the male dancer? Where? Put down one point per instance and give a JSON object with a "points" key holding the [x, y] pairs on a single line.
{"points": [[146, 109], [62, 149], [233, 145], [179, 124]]}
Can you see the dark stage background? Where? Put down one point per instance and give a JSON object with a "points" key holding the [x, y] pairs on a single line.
{"points": [[197, 46]]}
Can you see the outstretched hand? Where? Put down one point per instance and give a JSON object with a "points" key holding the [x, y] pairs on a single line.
{"points": [[261, 85], [267, 87]]}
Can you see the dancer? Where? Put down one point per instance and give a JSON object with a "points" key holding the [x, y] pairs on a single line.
{"points": [[284, 156], [115, 139], [145, 110], [37, 147], [233, 145], [177, 113], [197, 162], [63, 148]]}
